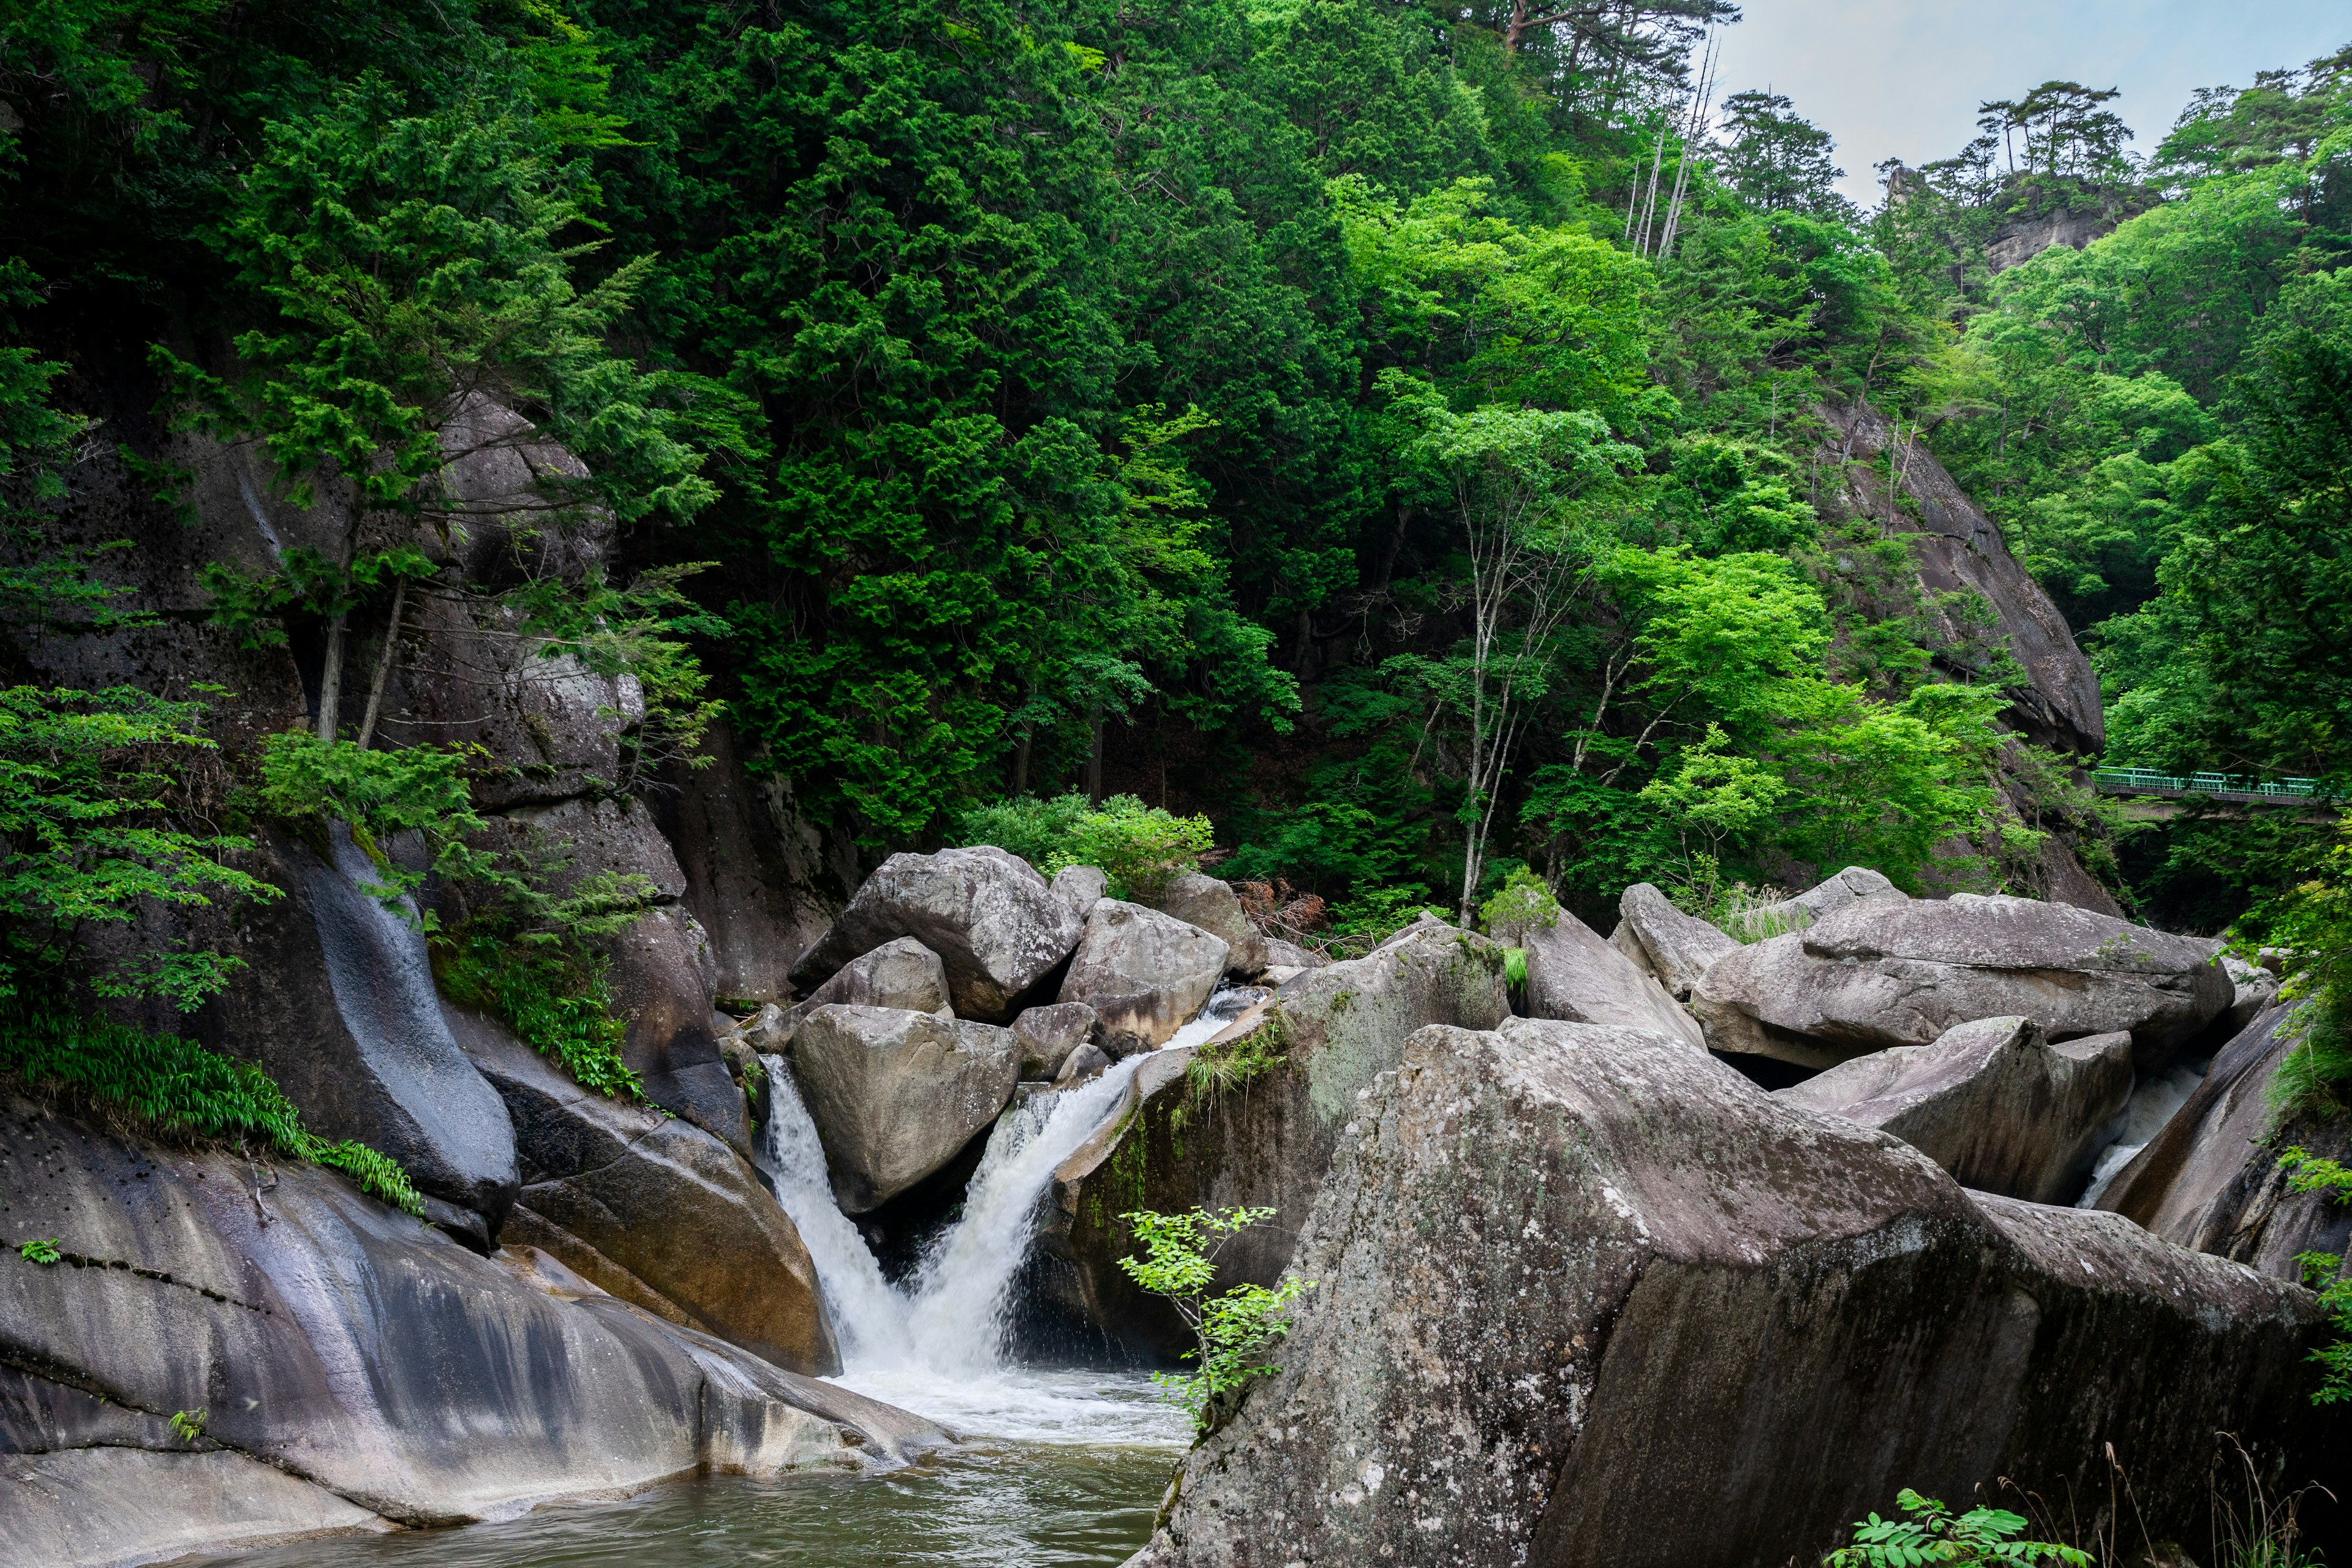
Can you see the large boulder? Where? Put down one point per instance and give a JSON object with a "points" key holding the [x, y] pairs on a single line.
{"points": [[1574, 975], [1048, 1036], [1569, 1278], [1145, 973], [353, 1367], [1078, 887], [896, 1095], [1876, 975], [1855, 885], [1202, 900], [339, 1007], [2210, 1179], [1674, 947], [652, 1209], [1255, 1125], [903, 974], [1992, 1101], [989, 916]]}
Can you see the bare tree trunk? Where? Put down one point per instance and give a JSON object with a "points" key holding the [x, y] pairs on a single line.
{"points": [[1095, 758], [384, 663], [330, 676], [1021, 760]]}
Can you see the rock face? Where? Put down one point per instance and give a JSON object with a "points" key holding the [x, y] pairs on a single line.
{"points": [[896, 1095], [1145, 973], [2210, 1179], [1570, 1279], [994, 923], [1214, 906], [1574, 975], [1264, 1136], [1876, 975], [1079, 886], [1855, 885], [1992, 1102], [653, 1210], [904, 975], [1674, 947], [354, 1366], [1048, 1035]]}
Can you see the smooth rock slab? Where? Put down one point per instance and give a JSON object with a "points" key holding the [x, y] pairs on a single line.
{"points": [[992, 919], [1575, 976], [1992, 1102], [1144, 972], [1855, 885], [896, 1095], [1899, 974], [1587, 1299], [1674, 947]]}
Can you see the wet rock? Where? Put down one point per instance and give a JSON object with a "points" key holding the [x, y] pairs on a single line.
{"points": [[1855, 885], [664, 983], [1900, 973], [1259, 1124], [652, 1209], [1674, 947], [1089, 1060], [896, 1094], [2211, 1178], [1048, 1036], [1144, 972], [992, 920], [1992, 1102], [1204, 901], [1572, 974], [369, 1364], [1571, 1278]]}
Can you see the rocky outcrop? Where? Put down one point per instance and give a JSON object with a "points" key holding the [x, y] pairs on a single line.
{"points": [[652, 1209], [1664, 942], [1855, 885], [1048, 1035], [1257, 1126], [1143, 972], [1959, 551], [2256, 990], [904, 975], [1569, 1278], [2211, 1178], [1882, 975], [896, 1095], [1992, 1102], [1214, 906], [1574, 975], [992, 920], [352, 1367]]}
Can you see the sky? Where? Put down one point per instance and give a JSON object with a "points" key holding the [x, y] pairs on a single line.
{"points": [[1902, 79]]}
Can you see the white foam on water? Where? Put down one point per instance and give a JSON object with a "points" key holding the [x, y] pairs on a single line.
{"points": [[2153, 1103], [936, 1345], [1221, 1008]]}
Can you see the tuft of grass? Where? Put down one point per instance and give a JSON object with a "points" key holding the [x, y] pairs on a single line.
{"points": [[1217, 1066], [165, 1087], [2316, 1078], [557, 999]]}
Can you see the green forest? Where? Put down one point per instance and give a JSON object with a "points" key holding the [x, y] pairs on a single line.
{"points": [[1406, 436]]}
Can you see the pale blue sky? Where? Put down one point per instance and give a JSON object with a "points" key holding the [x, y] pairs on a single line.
{"points": [[1903, 78]]}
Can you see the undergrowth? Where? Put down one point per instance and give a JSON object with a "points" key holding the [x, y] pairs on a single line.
{"points": [[1218, 1066], [164, 1086], [556, 998]]}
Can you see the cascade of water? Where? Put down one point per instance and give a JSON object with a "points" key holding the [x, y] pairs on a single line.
{"points": [[870, 1316], [1224, 1005]]}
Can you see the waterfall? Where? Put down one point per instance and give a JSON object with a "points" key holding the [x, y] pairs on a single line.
{"points": [[870, 1316]]}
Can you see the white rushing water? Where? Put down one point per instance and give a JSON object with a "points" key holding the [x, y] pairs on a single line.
{"points": [[2152, 1104], [936, 1344]]}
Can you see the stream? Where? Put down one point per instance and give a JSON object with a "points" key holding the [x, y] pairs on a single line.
{"points": [[1054, 1466]]}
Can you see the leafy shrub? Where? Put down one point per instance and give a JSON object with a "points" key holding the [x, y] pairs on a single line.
{"points": [[2312, 922], [1935, 1535], [1141, 848], [1235, 1330], [1524, 903], [418, 789], [2307, 1173], [1374, 916], [1037, 830], [163, 1086], [560, 1001]]}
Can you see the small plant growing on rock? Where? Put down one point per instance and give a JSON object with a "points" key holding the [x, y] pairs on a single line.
{"points": [[188, 1424], [1235, 1330], [1934, 1533], [40, 1251]]}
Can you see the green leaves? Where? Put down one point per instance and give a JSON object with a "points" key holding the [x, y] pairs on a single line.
{"points": [[1934, 1534], [1235, 1330]]}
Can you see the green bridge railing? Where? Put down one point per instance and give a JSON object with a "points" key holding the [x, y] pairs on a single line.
{"points": [[2230, 787]]}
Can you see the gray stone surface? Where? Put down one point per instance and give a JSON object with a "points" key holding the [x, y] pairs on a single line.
{"points": [[652, 1209], [1574, 975], [992, 920], [896, 1095], [339, 1343], [1290, 955], [1586, 1298], [1048, 1035], [1078, 887], [1991, 1101], [1879, 975], [1855, 885], [101, 1507], [1674, 947], [1144, 972], [1088, 1061], [902, 973], [1202, 900], [1264, 1142]]}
